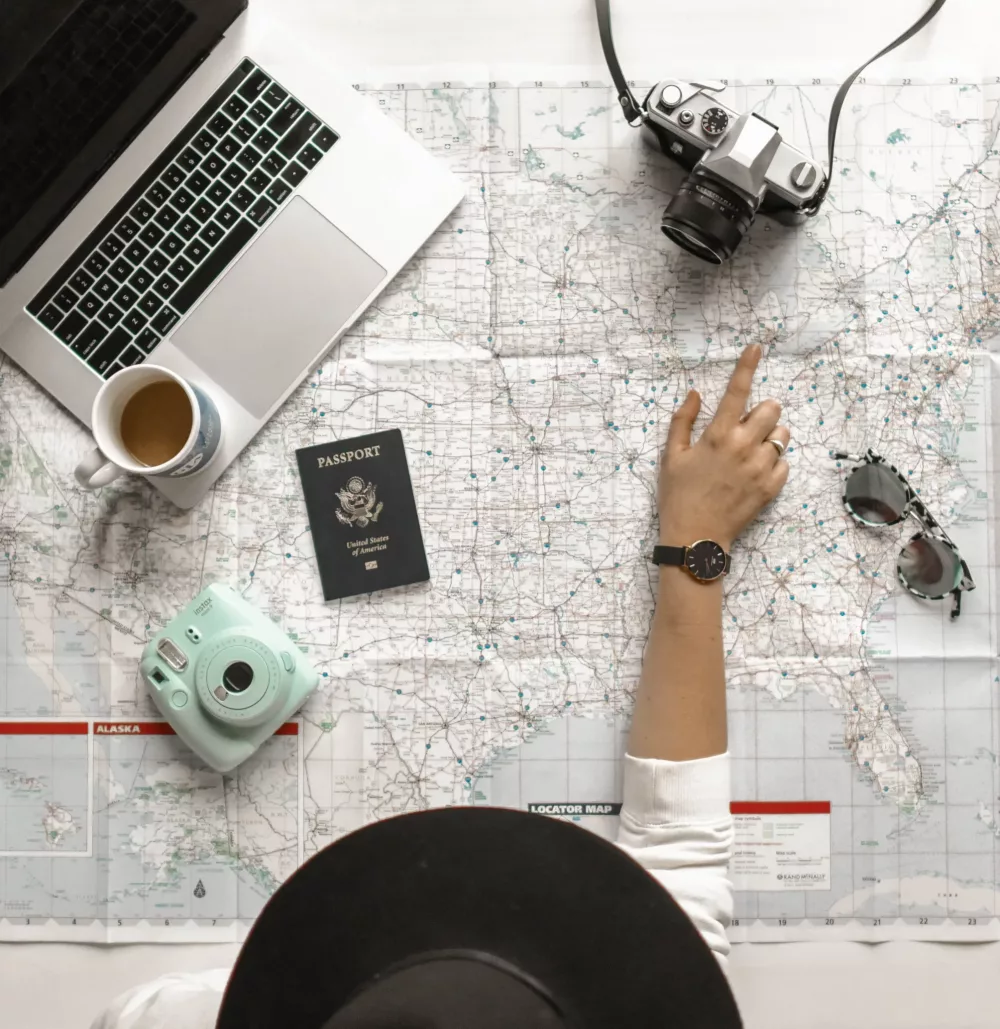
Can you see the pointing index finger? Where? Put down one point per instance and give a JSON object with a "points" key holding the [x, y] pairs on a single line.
{"points": [[734, 401]]}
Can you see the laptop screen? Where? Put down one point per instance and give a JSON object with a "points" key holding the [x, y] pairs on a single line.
{"points": [[78, 80]]}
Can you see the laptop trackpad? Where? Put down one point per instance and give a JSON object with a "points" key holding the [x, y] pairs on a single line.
{"points": [[273, 313]]}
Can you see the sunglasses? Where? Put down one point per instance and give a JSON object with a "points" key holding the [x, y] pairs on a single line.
{"points": [[929, 566]]}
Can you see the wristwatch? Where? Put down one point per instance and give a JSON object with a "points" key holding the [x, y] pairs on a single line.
{"points": [[704, 560]]}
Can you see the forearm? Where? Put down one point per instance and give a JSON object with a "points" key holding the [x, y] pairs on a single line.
{"points": [[675, 814], [680, 708], [707, 491]]}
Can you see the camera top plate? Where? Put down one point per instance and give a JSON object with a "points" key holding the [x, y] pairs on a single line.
{"points": [[688, 110]]}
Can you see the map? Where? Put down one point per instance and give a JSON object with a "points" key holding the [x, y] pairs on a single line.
{"points": [[532, 354]]}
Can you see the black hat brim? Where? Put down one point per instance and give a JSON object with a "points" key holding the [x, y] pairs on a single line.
{"points": [[568, 909]]}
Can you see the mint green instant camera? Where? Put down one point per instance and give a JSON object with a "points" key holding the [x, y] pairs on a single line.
{"points": [[225, 676]]}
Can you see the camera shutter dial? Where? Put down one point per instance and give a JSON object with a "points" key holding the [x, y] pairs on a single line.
{"points": [[715, 121]]}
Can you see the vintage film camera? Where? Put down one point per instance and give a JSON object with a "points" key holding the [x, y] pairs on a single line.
{"points": [[738, 164]]}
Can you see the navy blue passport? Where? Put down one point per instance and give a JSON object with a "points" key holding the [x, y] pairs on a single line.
{"points": [[362, 514]]}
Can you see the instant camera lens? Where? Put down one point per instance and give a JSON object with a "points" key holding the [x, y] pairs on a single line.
{"points": [[707, 218], [237, 677]]}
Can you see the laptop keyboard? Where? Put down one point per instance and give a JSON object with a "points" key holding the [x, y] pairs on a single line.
{"points": [[97, 57], [182, 223]]}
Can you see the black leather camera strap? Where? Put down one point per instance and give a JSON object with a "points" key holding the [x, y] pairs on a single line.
{"points": [[635, 113], [838, 100]]}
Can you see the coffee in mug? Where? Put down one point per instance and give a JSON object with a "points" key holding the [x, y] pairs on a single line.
{"points": [[150, 421], [156, 422]]}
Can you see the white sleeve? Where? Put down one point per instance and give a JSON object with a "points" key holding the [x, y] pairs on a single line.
{"points": [[182, 1001], [675, 822]]}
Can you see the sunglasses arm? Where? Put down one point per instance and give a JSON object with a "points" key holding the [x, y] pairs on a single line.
{"points": [[869, 457]]}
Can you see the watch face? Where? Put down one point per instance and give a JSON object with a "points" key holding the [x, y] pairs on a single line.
{"points": [[705, 560]]}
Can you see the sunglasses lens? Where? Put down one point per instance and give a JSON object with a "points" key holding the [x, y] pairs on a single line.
{"points": [[930, 566], [875, 495]]}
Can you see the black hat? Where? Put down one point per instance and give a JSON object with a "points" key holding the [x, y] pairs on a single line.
{"points": [[474, 918]]}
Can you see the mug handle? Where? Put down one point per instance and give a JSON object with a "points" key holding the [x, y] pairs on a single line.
{"points": [[95, 471]]}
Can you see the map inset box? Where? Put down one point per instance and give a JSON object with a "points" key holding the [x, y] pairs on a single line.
{"points": [[45, 789]]}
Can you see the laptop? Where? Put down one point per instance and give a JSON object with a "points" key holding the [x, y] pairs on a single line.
{"points": [[182, 182]]}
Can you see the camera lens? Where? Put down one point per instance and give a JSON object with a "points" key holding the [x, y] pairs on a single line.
{"points": [[707, 218], [237, 677]]}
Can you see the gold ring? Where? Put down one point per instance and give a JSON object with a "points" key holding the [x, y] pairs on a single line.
{"points": [[778, 445]]}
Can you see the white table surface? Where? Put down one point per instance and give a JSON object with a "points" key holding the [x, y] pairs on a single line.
{"points": [[917, 986]]}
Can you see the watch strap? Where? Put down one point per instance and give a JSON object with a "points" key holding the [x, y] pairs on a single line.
{"points": [[669, 556]]}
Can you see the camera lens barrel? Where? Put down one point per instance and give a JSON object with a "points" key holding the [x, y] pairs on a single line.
{"points": [[708, 218], [240, 680]]}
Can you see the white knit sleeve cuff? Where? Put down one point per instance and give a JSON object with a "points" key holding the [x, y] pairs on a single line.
{"points": [[659, 792]]}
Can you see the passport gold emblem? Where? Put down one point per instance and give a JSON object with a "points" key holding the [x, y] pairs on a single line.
{"points": [[357, 503]]}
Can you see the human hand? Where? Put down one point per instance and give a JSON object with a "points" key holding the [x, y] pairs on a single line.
{"points": [[712, 489]]}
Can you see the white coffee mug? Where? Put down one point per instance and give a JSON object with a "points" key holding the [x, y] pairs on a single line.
{"points": [[111, 458]]}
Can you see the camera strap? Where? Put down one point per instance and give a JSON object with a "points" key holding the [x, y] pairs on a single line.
{"points": [[838, 100], [636, 114]]}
